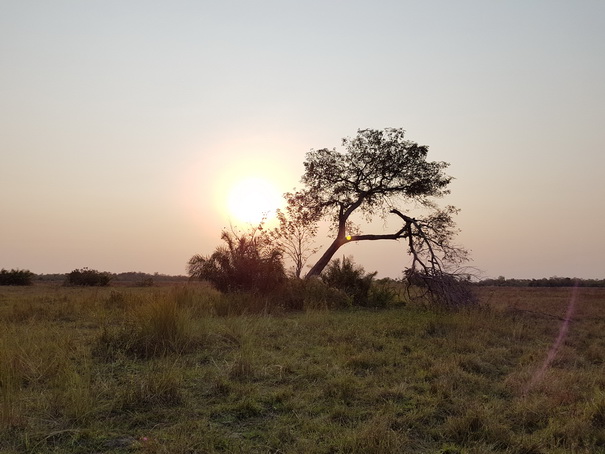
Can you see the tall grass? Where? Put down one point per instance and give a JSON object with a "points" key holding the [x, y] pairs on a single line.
{"points": [[160, 327], [187, 369]]}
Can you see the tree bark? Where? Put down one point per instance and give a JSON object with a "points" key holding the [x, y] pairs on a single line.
{"points": [[325, 258]]}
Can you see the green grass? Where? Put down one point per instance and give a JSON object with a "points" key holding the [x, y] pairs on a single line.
{"points": [[172, 370]]}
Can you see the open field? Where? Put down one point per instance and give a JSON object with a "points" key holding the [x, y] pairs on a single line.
{"points": [[173, 370]]}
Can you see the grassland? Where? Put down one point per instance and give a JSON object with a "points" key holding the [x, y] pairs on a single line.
{"points": [[183, 370]]}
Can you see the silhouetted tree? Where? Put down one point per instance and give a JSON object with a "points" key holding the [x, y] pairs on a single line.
{"points": [[87, 277], [249, 261], [377, 171], [16, 277], [296, 232]]}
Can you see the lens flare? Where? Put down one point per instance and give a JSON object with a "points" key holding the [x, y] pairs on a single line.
{"points": [[554, 349]]}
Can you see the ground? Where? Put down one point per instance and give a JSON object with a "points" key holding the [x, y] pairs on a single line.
{"points": [[177, 370]]}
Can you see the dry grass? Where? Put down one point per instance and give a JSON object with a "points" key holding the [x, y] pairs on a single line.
{"points": [[188, 370]]}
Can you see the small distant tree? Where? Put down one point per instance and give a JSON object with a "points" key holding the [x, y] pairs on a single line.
{"points": [[16, 277], [296, 233], [88, 278], [248, 261]]}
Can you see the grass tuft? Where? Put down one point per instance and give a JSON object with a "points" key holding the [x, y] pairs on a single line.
{"points": [[153, 330]]}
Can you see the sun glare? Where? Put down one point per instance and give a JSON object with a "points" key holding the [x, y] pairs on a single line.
{"points": [[252, 199]]}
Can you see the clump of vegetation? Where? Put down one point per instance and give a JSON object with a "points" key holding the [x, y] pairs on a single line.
{"points": [[360, 286], [146, 282], [384, 293], [16, 277], [152, 330], [299, 294], [350, 278], [88, 278], [249, 270], [249, 262]]}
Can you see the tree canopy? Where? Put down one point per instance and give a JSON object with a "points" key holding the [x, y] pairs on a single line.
{"points": [[296, 232]]}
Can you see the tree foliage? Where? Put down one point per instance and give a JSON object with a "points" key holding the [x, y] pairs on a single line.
{"points": [[351, 278], [248, 261], [296, 232], [554, 281], [16, 277], [87, 277], [378, 171], [345, 275]]}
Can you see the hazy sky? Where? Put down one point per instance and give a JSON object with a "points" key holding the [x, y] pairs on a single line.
{"points": [[125, 124]]}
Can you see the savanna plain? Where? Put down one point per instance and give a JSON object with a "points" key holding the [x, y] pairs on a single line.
{"points": [[185, 369]]}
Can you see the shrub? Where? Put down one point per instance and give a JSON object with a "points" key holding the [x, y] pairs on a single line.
{"points": [[249, 262], [146, 282], [383, 294], [16, 277], [350, 278], [86, 277]]}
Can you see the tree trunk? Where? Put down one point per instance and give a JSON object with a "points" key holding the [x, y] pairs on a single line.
{"points": [[325, 258], [341, 239]]}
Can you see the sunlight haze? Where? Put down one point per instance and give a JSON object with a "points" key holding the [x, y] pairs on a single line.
{"points": [[132, 130], [253, 199]]}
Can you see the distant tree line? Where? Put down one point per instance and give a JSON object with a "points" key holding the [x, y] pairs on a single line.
{"points": [[88, 277], [554, 281]]}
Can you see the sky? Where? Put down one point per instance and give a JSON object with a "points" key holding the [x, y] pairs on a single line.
{"points": [[127, 124]]}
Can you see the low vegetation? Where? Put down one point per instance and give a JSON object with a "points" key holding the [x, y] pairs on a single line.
{"points": [[88, 278], [187, 369], [554, 281], [16, 277], [248, 262]]}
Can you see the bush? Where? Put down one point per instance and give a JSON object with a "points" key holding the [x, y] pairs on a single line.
{"points": [[249, 262], [350, 278], [86, 277], [146, 282], [16, 277], [383, 294]]}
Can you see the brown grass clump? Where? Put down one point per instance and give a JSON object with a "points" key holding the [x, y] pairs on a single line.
{"points": [[155, 329]]}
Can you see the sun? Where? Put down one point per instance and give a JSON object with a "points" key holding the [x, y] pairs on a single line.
{"points": [[252, 199]]}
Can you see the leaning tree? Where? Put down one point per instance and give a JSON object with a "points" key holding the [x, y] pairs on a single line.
{"points": [[378, 172]]}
